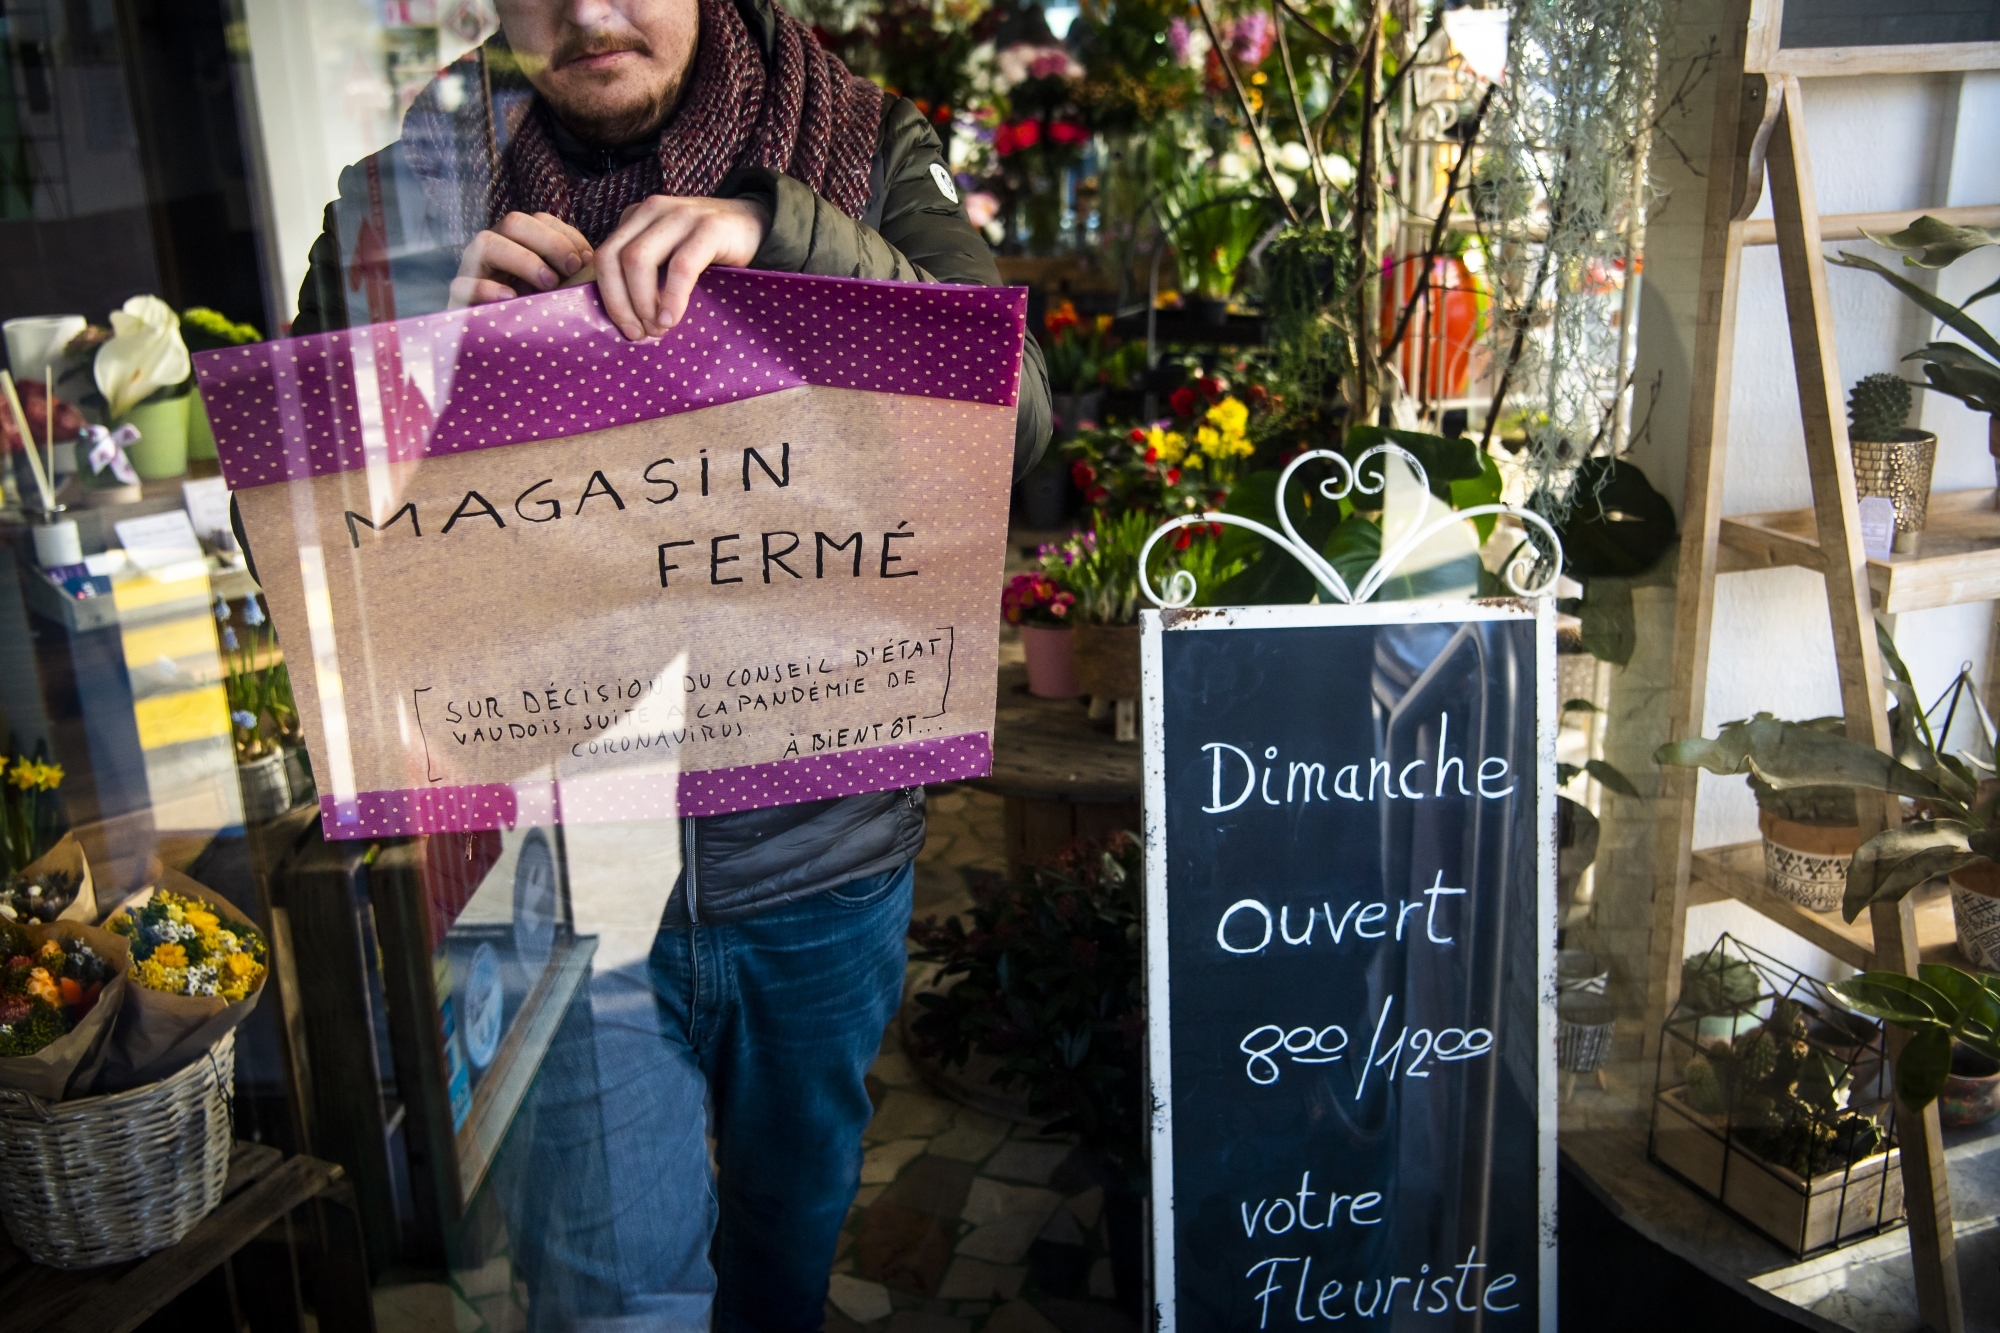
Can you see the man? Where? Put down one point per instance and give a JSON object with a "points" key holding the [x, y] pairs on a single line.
{"points": [[642, 141]]}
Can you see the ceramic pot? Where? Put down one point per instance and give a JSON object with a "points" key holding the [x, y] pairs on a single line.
{"points": [[1584, 1024], [1807, 863], [200, 434], [266, 793], [1971, 1094], [1107, 660], [1051, 666], [1899, 470], [57, 543], [162, 450], [1975, 910]]}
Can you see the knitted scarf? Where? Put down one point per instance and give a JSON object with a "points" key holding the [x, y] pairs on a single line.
{"points": [[490, 154]]}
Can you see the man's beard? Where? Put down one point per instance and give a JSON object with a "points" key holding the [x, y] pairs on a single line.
{"points": [[586, 111]]}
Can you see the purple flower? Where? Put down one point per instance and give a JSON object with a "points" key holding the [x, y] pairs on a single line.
{"points": [[221, 609], [245, 720], [229, 638], [253, 614], [1250, 38], [1180, 42]]}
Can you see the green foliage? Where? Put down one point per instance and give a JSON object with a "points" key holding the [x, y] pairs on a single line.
{"points": [[1930, 243], [1951, 368], [1938, 1006], [1714, 983], [1309, 275], [1617, 525], [1878, 407], [1048, 982], [1783, 1097]]}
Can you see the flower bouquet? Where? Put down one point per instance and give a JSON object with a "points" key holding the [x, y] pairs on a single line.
{"points": [[197, 970], [61, 988], [55, 887]]}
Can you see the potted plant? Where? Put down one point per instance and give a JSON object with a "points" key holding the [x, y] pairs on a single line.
{"points": [[1075, 351], [1952, 368], [1041, 607], [145, 375], [1047, 979], [1891, 459], [1956, 834], [1810, 834], [1780, 1119], [1953, 1019], [250, 684], [207, 330]]}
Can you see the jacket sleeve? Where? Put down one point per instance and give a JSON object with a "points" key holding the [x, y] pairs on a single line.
{"points": [[922, 235], [322, 300]]}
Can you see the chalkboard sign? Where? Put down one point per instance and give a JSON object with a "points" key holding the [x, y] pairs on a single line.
{"points": [[1351, 965], [1811, 24]]}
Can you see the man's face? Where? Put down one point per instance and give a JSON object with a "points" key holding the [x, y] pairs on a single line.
{"points": [[612, 70]]}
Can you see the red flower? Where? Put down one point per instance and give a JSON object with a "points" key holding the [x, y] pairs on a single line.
{"points": [[1181, 400], [1173, 476], [1211, 388], [1215, 529], [1067, 131], [1259, 396], [1082, 473], [1062, 317], [1137, 436], [1182, 539], [1096, 495], [1012, 138], [1152, 455]]}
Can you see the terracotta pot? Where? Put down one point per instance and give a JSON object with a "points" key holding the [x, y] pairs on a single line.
{"points": [[1107, 660], [1971, 1094], [1975, 909], [1807, 863], [1051, 667]]}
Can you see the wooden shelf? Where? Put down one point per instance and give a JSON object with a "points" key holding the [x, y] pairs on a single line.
{"points": [[1738, 872], [1957, 559]]}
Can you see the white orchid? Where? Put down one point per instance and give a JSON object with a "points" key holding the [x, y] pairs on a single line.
{"points": [[145, 354]]}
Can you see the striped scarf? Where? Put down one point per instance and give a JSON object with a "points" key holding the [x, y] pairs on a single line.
{"points": [[804, 115]]}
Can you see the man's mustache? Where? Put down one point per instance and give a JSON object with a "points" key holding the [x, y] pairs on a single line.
{"points": [[583, 45]]}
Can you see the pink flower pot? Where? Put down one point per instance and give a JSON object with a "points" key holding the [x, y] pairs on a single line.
{"points": [[1051, 668]]}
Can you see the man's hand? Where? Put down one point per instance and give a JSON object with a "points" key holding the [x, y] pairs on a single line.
{"points": [[521, 254], [677, 238]]}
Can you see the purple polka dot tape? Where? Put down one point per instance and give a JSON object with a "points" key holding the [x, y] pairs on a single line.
{"points": [[547, 366], [611, 798]]}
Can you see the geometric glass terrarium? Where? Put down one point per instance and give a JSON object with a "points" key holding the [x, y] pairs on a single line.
{"points": [[1777, 1101]]}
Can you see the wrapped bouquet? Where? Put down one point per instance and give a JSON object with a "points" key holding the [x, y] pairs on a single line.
{"points": [[60, 991], [197, 968]]}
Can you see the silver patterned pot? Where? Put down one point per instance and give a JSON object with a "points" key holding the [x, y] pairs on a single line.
{"points": [[266, 792], [1899, 471], [1807, 863]]}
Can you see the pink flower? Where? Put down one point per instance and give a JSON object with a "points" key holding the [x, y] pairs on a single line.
{"points": [[1180, 44], [981, 208], [1250, 38]]}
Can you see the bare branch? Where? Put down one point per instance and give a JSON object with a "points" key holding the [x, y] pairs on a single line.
{"points": [[1249, 116]]}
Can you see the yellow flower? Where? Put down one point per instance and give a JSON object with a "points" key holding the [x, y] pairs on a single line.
{"points": [[49, 776], [1207, 439], [169, 955], [175, 912], [240, 965], [43, 987], [1230, 416], [150, 974], [1167, 445], [22, 775], [200, 918]]}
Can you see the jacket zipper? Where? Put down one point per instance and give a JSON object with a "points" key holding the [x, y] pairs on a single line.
{"points": [[688, 859]]}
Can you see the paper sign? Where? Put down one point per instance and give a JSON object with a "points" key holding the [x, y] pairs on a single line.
{"points": [[1878, 524], [159, 540], [528, 571], [207, 501]]}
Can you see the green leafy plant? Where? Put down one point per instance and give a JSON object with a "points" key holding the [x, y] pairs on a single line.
{"points": [[1048, 982], [1878, 407], [1958, 827], [1952, 368], [1716, 983], [1937, 1007]]}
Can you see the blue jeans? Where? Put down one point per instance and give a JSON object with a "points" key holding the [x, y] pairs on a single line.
{"points": [[617, 1224], [784, 1013]]}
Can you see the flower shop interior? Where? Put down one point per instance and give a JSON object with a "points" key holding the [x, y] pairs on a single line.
{"points": [[1680, 312]]}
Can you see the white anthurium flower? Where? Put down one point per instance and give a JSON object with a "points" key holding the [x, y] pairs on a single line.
{"points": [[1232, 167], [1295, 157], [145, 354]]}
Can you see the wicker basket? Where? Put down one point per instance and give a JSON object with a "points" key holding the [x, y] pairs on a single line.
{"points": [[98, 1180]]}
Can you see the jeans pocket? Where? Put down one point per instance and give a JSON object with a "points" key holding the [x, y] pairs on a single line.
{"points": [[859, 893]]}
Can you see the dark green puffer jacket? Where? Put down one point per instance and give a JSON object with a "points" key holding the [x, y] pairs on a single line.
{"points": [[912, 231]]}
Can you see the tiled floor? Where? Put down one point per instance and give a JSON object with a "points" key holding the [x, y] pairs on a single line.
{"points": [[966, 1220]]}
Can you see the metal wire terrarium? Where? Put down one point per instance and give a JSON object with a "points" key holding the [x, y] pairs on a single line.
{"points": [[1776, 1101]]}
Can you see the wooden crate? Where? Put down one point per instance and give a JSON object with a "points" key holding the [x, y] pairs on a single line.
{"points": [[1801, 1215]]}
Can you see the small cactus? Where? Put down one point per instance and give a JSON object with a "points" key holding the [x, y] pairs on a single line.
{"points": [[1877, 407]]}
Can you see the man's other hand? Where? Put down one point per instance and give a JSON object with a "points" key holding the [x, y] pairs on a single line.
{"points": [[647, 267], [521, 254]]}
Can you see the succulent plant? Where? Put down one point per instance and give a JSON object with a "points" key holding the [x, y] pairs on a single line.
{"points": [[1878, 406]]}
